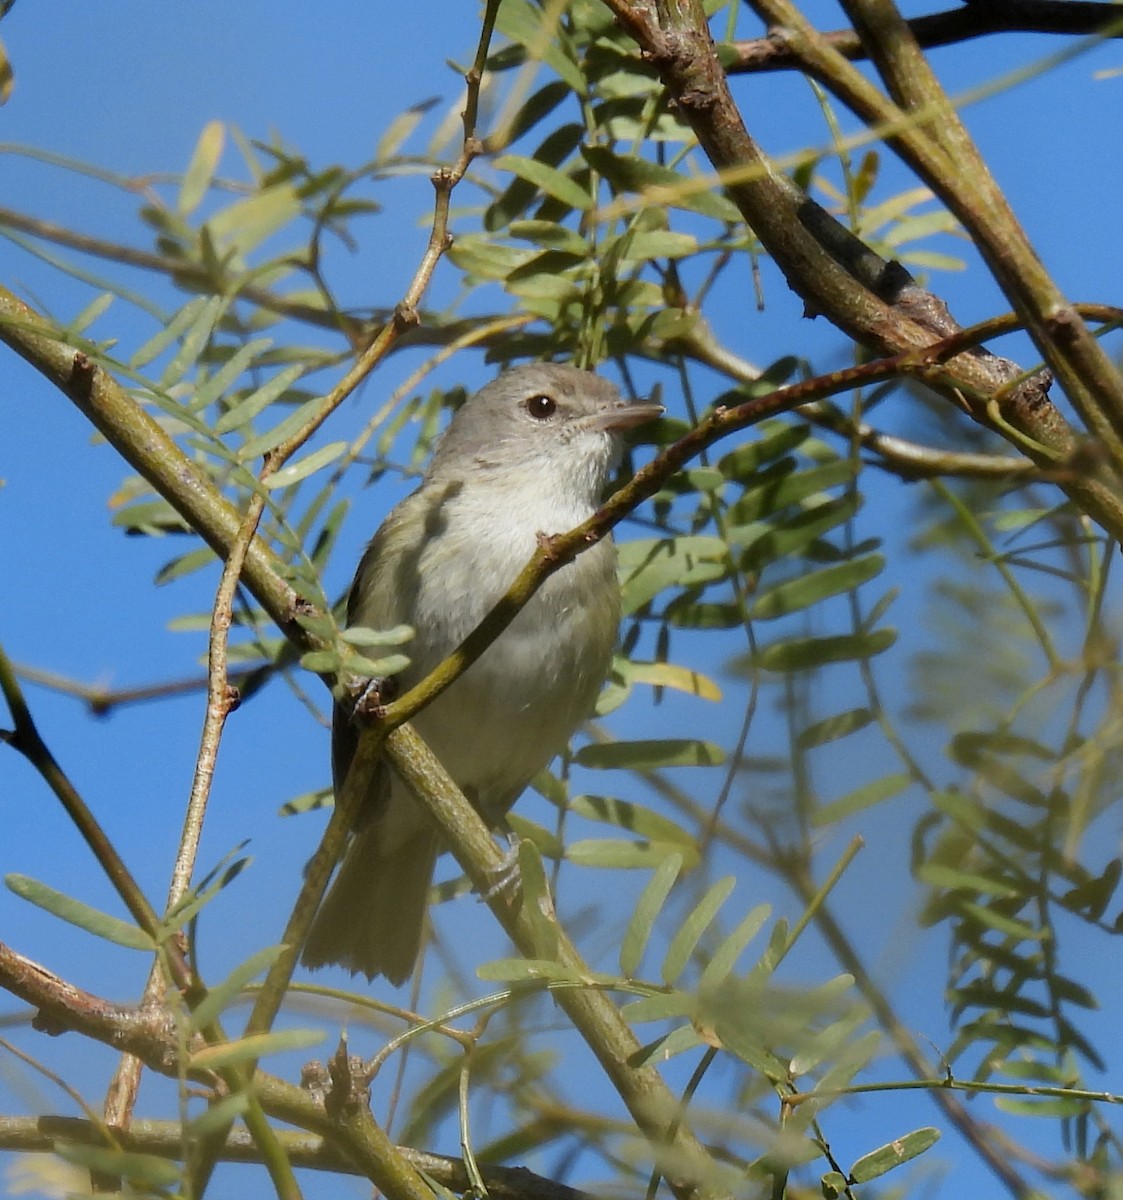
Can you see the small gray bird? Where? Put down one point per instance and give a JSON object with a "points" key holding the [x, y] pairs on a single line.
{"points": [[528, 454]]}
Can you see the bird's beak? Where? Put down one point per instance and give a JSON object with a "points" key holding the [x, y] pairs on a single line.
{"points": [[624, 414]]}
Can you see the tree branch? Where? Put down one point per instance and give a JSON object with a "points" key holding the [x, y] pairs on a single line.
{"points": [[878, 303], [1071, 17]]}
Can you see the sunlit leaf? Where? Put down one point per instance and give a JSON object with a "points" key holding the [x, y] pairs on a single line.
{"points": [[633, 174], [893, 1154], [650, 904], [649, 755], [74, 912], [802, 592], [258, 1045], [301, 468], [831, 729], [803, 654], [690, 932], [250, 406], [668, 675], [725, 957], [142, 1170], [549, 179], [866, 796], [201, 169], [222, 995]]}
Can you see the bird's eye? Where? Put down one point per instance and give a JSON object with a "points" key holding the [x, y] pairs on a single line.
{"points": [[541, 407]]}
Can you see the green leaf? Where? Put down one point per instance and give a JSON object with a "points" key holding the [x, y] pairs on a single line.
{"points": [[219, 1115], [649, 565], [216, 385], [678, 1041], [536, 108], [258, 1045], [400, 129], [893, 1154], [74, 912], [690, 932], [831, 729], [1007, 925], [519, 194], [800, 593], [525, 24], [668, 675], [665, 1006], [144, 1170], [185, 564], [547, 179], [247, 408], [156, 345], [952, 879], [526, 970], [862, 797], [1056, 1108], [153, 518], [194, 342], [89, 314], [691, 614], [245, 224], [648, 755], [295, 421], [545, 841], [537, 903], [725, 957], [765, 543], [301, 468], [321, 662], [485, 258], [307, 802], [202, 167], [218, 998], [360, 635], [743, 462], [804, 654], [552, 236], [790, 487], [7, 77], [635, 818], [194, 902], [833, 1185], [658, 243], [647, 910], [680, 191], [619, 854], [377, 668]]}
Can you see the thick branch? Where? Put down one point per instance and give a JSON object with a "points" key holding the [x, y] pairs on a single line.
{"points": [[1072, 17]]}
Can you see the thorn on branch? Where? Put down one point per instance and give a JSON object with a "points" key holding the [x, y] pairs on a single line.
{"points": [[548, 544], [406, 316], [370, 697], [1064, 323], [349, 1088], [82, 371]]}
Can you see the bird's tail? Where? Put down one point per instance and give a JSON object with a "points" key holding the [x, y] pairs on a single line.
{"points": [[373, 917]]}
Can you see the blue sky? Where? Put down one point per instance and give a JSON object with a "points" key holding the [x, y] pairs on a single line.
{"points": [[129, 88]]}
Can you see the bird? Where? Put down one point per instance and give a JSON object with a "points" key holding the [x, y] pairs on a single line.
{"points": [[529, 454]]}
